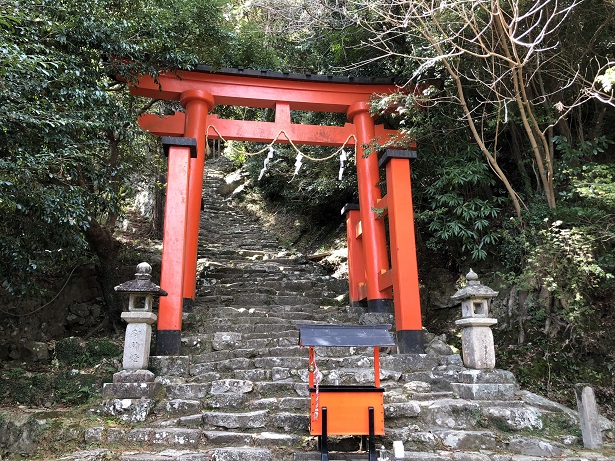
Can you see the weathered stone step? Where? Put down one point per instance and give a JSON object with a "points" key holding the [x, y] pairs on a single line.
{"points": [[219, 267], [178, 406], [270, 286], [244, 328], [431, 395], [228, 309], [256, 317], [408, 455], [248, 420], [281, 403], [473, 440], [240, 453], [209, 299], [243, 369], [356, 376], [342, 369], [264, 314], [459, 414], [230, 353], [193, 391], [402, 410], [199, 344], [259, 278], [290, 333], [237, 231], [146, 436], [219, 291], [333, 456]]}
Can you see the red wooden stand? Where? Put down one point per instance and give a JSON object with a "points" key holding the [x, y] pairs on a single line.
{"points": [[345, 410]]}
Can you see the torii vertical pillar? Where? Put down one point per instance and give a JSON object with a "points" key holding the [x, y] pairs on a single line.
{"points": [[197, 103], [356, 259], [179, 152], [373, 231], [404, 266]]}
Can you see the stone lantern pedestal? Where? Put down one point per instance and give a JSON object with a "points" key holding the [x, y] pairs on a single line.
{"points": [[481, 381]]}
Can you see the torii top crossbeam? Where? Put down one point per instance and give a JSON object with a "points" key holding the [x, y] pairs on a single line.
{"points": [[283, 92], [264, 89], [199, 91]]}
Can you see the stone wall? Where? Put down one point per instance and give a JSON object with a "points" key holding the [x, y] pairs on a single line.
{"points": [[77, 310]]}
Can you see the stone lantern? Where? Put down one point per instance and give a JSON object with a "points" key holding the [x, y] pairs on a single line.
{"points": [[135, 380], [475, 323], [139, 317]]}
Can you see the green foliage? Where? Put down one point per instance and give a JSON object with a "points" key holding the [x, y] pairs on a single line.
{"points": [[590, 180], [97, 349], [79, 369], [69, 145], [607, 79], [68, 386], [69, 351], [565, 265], [458, 205], [78, 353], [72, 387], [551, 366], [457, 216]]}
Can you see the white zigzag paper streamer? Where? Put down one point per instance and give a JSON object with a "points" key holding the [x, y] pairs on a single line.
{"points": [[266, 162]]}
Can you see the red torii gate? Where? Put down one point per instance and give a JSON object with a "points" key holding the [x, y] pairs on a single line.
{"points": [[370, 277]]}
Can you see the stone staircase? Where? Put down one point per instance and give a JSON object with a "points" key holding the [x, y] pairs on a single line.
{"points": [[239, 391]]}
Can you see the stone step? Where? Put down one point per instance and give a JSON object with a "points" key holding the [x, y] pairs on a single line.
{"points": [[147, 436], [199, 344], [263, 298], [178, 406], [471, 440], [262, 277], [264, 314], [247, 326], [439, 455], [333, 456], [223, 453], [281, 403], [343, 368], [226, 351], [288, 313], [225, 420]]}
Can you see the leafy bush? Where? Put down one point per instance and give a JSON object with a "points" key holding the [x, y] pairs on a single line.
{"points": [[458, 215], [76, 352], [563, 262]]}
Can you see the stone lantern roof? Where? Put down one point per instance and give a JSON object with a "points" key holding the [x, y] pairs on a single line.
{"points": [[474, 289], [142, 283]]}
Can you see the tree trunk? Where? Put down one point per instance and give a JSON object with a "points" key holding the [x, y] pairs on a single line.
{"points": [[107, 248], [516, 150]]}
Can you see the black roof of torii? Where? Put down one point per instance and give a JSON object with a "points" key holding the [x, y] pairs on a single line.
{"points": [[287, 75]]}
